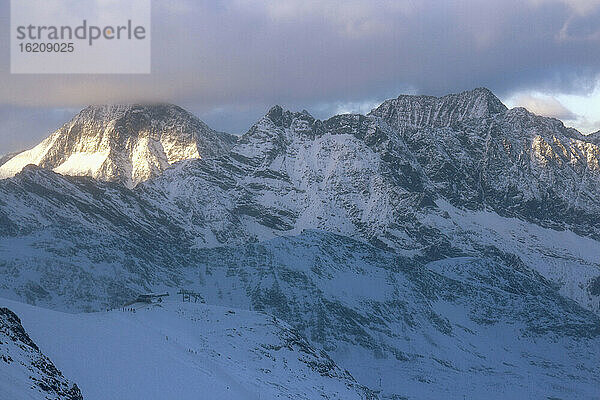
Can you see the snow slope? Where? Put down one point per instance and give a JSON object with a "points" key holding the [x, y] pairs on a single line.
{"points": [[5, 157], [185, 351], [401, 326], [380, 178], [570, 260]]}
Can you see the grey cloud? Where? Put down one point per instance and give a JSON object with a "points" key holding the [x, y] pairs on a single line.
{"points": [[242, 56], [23, 127], [279, 51]]}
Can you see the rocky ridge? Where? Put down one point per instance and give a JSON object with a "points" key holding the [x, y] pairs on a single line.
{"points": [[27, 373]]}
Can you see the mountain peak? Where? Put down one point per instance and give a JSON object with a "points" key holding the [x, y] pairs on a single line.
{"points": [[127, 142], [113, 112], [275, 114], [429, 111], [283, 118], [494, 104]]}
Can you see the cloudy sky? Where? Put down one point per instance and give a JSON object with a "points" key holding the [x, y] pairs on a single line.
{"points": [[229, 61]]}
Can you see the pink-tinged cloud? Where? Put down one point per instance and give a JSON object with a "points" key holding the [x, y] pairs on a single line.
{"points": [[547, 106]]}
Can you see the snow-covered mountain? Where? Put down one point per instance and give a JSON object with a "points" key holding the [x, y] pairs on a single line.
{"points": [[509, 161], [25, 372], [127, 143], [398, 185], [432, 239]]}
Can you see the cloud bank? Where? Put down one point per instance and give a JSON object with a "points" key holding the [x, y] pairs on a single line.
{"points": [[243, 51], [545, 105], [229, 61]]}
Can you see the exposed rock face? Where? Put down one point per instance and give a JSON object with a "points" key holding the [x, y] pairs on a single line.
{"points": [[126, 143], [28, 373], [514, 162], [438, 112], [594, 137]]}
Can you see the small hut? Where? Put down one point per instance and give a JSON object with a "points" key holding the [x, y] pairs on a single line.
{"points": [[148, 298], [188, 295]]}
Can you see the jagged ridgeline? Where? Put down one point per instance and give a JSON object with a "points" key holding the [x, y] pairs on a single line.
{"points": [[402, 237]]}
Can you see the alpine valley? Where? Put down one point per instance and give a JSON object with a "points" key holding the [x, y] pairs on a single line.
{"points": [[435, 248]]}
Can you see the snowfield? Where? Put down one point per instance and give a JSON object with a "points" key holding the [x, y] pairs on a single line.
{"points": [[184, 351]]}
